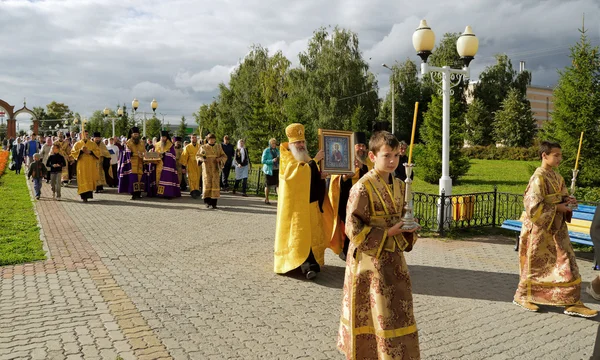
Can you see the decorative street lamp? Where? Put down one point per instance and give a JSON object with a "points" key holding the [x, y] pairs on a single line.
{"points": [[393, 97], [135, 104], [119, 113], [467, 46]]}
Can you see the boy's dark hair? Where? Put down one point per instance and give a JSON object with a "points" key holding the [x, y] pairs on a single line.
{"points": [[56, 146], [381, 138], [547, 146]]}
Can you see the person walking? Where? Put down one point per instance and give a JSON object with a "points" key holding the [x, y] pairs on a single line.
{"points": [[37, 171], [270, 161], [18, 155], [55, 164], [45, 153], [230, 152], [241, 163]]}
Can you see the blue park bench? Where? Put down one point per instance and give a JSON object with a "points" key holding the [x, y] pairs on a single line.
{"points": [[579, 227]]}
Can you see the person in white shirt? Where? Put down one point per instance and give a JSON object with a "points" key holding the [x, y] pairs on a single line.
{"points": [[113, 149]]}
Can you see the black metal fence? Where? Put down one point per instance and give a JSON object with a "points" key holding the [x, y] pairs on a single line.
{"points": [[460, 211]]}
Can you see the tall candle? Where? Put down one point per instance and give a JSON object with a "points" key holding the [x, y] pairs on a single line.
{"points": [[412, 135], [579, 151]]}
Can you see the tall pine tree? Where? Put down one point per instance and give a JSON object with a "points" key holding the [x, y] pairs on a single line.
{"points": [[431, 164], [182, 130], [513, 123], [577, 109]]}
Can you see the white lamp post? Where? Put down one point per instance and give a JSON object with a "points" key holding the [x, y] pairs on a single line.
{"points": [[135, 104], [393, 97], [467, 46]]}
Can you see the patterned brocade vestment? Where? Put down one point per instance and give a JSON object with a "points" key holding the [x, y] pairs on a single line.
{"points": [[549, 272], [377, 310], [213, 159]]}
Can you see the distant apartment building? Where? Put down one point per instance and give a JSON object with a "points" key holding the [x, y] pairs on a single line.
{"points": [[542, 103]]}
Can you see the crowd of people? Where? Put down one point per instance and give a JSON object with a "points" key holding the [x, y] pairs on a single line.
{"points": [[358, 216]]}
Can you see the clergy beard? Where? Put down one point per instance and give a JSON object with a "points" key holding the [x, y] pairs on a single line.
{"points": [[97, 142], [177, 146], [163, 143], [136, 140], [194, 143], [299, 155], [361, 156]]}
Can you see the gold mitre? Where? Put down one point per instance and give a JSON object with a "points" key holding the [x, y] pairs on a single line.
{"points": [[295, 132]]}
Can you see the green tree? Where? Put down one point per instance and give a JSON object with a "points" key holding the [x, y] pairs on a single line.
{"points": [[577, 109], [56, 111], [153, 127], [478, 124], [333, 80], [123, 123], [182, 130], [431, 162], [513, 123], [493, 87], [407, 91], [97, 123], [258, 135]]}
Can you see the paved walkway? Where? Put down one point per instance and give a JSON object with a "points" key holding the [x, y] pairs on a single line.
{"points": [[160, 279]]}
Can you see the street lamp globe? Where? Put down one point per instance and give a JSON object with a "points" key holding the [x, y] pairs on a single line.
{"points": [[120, 111], [467, 46], [154, 105], [106, 112], [423, 40], [135, 104]]}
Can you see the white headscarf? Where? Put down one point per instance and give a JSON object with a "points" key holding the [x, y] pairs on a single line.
{"points": [[241, 149]]}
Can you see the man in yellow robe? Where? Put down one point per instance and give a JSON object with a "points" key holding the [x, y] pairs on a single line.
{"points": [[131, 171], [334, 210], [102, 163], [299, 237], [190, 166], [213, 159], [86, 153]]}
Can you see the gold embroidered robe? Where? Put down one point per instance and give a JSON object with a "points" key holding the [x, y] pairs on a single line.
{"points": [[334, 226], [377, 319], [548, 270], [137, 157], [87, 167], [213, 158], [103, 154], [65, 151], [192, 169], [178, 153], [299, 227]]}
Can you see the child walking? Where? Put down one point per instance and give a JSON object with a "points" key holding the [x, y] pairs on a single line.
{"points": [[37, 171], [377, 319], [55, 163], [548, 270]]}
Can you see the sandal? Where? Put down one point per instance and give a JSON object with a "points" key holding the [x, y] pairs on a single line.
{"points": [[267, 202]]}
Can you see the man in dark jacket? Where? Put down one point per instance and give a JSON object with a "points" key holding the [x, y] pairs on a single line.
{"points": [[229, 151]]}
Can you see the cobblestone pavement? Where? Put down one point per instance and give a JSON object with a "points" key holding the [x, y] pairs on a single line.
{"points": [[158, 278]]}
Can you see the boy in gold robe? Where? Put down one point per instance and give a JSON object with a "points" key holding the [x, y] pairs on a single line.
{"points": [[191, 166], [549, 274], [377, 319], [86, 153], [299, 237], [213, 159]]}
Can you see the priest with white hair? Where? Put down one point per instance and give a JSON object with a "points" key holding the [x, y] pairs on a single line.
{"points": [[299, 237]]}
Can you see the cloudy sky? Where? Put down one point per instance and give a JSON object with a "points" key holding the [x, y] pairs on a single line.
{"points": [[91, 54]]}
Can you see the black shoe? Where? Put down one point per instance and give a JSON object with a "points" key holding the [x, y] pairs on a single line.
{"points": [[342, 256], [208, 206], [85, 200], [245, 195], [311, 275], [214, 206]]}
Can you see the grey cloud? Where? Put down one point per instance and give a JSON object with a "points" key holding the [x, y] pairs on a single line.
{"points": [[95, 54]]}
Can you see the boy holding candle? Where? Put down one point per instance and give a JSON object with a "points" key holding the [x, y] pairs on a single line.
{"points": [[377, 310], [548, 270]]}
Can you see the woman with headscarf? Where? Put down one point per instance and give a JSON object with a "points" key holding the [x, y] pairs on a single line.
{"points": [[241, 163], [45, 152]]}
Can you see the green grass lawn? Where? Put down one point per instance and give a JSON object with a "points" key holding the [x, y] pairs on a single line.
{"points": [[19, 233], [510, 176]]}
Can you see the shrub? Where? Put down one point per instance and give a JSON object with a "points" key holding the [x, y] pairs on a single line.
{"points": [[501, 153]]}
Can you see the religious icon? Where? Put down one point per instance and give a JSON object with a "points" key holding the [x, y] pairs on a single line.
{"points": [[338, 147]]}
